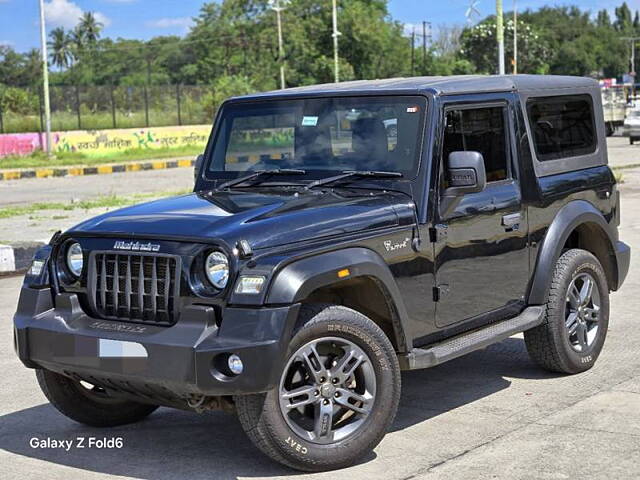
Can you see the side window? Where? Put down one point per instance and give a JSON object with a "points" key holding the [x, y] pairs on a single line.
{"points": [[480, 130], [562, 126]]}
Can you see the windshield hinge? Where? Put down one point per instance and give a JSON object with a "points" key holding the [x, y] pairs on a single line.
{"points": [[439, 291], [438, 232]]}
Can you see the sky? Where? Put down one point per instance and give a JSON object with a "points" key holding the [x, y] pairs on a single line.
{"points": [[143, 19]]}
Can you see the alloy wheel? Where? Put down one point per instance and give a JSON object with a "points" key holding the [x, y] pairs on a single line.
{"points": [[582, 312], [327, 390]]}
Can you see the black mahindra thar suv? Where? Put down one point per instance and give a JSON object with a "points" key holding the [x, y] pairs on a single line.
{"points": [[336, 235]]}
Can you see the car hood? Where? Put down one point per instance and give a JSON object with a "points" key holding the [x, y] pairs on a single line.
{"points": [[264, 218]]}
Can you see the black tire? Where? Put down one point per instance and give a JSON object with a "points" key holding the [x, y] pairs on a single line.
{"points": [[90, 407], [610, 129], [263, 421], [550, 344], [631, 140]]}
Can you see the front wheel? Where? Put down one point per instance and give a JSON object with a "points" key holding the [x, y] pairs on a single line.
{"points": [[577, 316], [89, 404], [337, 396]]}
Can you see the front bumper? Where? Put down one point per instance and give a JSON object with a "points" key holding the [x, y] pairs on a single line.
{"points": [[628, 131], [177, 361]]}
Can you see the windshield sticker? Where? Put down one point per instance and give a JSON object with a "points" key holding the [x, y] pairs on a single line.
{"points": [[413, 109], [309, 121]]}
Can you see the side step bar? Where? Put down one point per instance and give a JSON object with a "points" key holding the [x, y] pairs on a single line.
{"points": [[468, 342]]}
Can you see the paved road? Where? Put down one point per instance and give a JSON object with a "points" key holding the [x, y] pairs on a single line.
{"points": [[64, 189], [492, 414]]}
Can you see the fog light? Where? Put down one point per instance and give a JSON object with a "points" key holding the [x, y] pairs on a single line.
{"points": [[250, 285], [235, 364]]}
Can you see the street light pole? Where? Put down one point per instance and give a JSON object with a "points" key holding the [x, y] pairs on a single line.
{"points": [[500, 36], [335, 35], [45, 78], [632, 70], [515, 37], [278, 9]]}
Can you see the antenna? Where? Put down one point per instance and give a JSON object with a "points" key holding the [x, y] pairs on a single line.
{"points": [[472, 11]]}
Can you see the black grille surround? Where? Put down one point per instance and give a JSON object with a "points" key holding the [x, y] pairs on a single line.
{"points": [[134, 286]]}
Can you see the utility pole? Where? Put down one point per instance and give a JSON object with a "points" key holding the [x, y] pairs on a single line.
{"points": [[424, 47], [335, 35], [45, 78], [275, 6], [515, 37], [632, 70], [413, 51], [500, 36]]}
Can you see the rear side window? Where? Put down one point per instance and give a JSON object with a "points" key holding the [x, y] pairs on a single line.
{"points": [[562, 126]]}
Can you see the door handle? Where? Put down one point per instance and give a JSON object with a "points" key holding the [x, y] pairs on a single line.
{"points": [[511, 221]]}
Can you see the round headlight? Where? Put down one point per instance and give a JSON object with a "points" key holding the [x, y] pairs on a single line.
{"points": [[74, 259], [217, 269]]}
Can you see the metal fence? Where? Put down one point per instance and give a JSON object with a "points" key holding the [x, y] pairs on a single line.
{"points": [[103, 107]]}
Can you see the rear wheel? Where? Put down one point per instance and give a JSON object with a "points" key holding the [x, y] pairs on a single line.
{"points": [[89, 404], [337, 396], [577, 316], [610, 129]]}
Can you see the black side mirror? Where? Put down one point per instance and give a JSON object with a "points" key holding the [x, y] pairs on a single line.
{"points": [[465, 173], [196, 167]]}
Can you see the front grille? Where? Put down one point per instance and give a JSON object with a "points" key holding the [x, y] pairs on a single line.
{"points": [[134, 287]]}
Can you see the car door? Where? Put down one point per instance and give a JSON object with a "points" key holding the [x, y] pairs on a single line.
{"points": [[480, 249]]}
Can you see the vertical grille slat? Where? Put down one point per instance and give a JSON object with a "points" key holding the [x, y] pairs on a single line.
{"points": [[135, 287], [103, 283], [167, 286], [141, 287], [154, 287], [116, 285], [127, 286]]}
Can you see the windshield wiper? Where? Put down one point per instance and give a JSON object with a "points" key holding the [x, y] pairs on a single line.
{"points": [[259, 173], [352, 174]]}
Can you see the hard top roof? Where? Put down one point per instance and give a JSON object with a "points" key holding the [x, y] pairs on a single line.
{"points": [[444, 85]]}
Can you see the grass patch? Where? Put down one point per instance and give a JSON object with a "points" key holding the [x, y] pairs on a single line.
{"points": [[619, 176], [112, 201], [62, 159], [626, 167]]}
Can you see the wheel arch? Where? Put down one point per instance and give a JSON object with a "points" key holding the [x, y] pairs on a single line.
{"points": [[577, 225], [368, 287]]}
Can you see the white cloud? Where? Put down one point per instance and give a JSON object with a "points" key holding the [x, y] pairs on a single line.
{"points": [[103, 19], [183, 22], [65, 13], [6, 43]]}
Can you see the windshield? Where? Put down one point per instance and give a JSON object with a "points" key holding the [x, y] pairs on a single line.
{"points": [[323, 134]]}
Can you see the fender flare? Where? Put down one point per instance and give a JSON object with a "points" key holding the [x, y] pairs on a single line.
{"points": [[299, 279], [568, 218]]}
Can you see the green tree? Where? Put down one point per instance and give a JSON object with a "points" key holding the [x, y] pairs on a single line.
{"points": [[603, 19], [61, 48], [223, 88], [89, 28], [479, 46], [624, 20]]}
